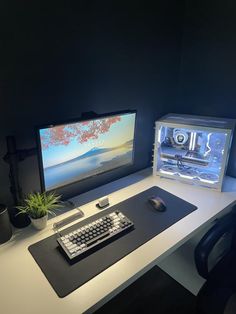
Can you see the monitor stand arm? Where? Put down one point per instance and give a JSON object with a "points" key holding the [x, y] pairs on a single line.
{"points": [[13, 157]]}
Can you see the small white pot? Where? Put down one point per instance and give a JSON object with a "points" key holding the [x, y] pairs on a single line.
{"points": [[39, 223]]}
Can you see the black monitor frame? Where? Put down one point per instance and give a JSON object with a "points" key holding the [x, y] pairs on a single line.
{"points": [[84, 117]]}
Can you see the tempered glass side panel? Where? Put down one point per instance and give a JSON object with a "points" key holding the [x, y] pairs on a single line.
{"points": [[197, 155]]}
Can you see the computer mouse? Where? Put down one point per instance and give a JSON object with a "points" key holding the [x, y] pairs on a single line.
{"points": [[157, 203]]}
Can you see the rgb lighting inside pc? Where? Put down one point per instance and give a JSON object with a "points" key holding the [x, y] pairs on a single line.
{"points": [[193, 153]]}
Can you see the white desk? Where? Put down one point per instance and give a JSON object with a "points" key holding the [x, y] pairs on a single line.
{"points": [[25, 290]]}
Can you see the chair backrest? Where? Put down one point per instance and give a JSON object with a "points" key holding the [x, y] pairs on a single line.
{"points": [[215, 244]]}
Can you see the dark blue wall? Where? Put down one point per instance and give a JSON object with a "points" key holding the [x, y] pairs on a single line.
{"points": [[57, 61], [208, 67]]}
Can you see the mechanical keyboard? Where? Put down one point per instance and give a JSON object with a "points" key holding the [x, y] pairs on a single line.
{"points": [[89, 236]]}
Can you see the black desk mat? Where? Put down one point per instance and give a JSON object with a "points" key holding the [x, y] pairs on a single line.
{"points": [[65, 277]]}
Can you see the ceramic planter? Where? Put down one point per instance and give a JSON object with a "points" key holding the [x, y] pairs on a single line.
{"points": [[39, 223]]}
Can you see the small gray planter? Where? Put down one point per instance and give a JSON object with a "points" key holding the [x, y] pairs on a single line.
{"points": [[39, 223]]}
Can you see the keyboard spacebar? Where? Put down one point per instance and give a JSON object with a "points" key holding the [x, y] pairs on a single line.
{"points": [[92, 241]]}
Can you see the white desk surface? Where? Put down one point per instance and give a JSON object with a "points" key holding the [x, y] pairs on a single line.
{"points": [[25, 290]]}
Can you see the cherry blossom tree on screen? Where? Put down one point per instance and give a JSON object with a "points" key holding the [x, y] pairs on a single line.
{"points": [[83, 131]]}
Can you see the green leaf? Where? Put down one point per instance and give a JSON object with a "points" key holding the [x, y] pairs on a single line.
{"points": [[38, 205]]}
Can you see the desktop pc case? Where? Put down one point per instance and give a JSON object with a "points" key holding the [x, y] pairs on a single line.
{"points": [[192, 149]]}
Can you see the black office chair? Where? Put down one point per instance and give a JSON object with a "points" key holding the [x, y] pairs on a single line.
{"points": [[218, 294]]}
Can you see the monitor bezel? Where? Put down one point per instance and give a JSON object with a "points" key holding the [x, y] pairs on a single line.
{"points": [[87, 116]]}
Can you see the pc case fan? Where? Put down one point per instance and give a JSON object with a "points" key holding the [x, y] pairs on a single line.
{"points": [[192, 149]]}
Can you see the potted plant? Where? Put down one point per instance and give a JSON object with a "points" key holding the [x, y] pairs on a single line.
{"points": [[38, 206]]}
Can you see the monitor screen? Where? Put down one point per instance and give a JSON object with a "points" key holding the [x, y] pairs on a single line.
{"points": [[75, 151]]}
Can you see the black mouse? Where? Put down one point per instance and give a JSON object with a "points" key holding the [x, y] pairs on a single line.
{"points": [[157, 203]]}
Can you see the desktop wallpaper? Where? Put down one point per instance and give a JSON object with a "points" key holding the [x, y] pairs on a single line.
{"points": [[72, 152]]}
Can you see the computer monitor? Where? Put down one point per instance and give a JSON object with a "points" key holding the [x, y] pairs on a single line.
{"points": [[78, 150]]}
